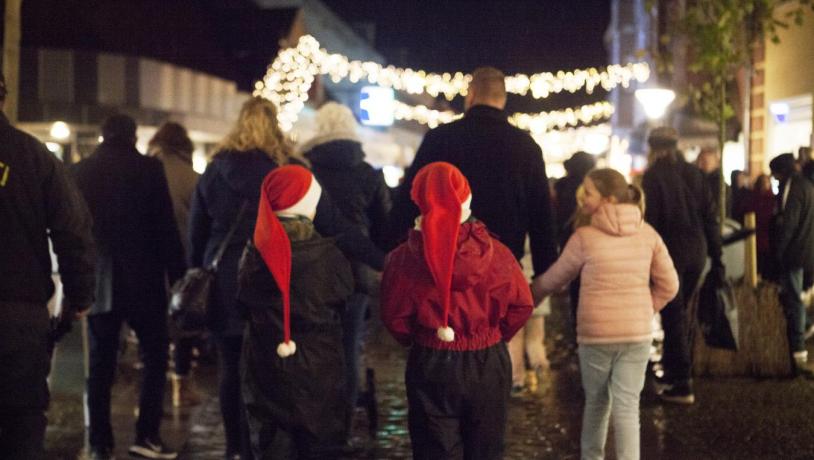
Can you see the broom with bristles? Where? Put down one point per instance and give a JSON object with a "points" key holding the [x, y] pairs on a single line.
{"points": [[763, 349]]}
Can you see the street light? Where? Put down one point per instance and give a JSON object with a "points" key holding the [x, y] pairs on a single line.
{"points": [[655, 101], [60, 130]]}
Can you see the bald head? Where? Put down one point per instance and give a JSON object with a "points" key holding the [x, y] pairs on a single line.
{"points": [[488, 87]]}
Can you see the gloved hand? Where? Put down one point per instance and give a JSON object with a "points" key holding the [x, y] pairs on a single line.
{"points": [[718, 272]]}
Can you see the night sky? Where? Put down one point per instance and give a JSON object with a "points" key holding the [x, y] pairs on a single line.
{"points": [[525, 36]]}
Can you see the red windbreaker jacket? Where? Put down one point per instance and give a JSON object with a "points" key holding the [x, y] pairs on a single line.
{"points": [[490, 299]]}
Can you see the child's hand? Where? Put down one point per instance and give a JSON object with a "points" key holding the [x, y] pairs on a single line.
{"points": [[537, 294]]}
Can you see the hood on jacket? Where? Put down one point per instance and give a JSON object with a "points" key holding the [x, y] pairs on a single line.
{"points": [[618, 219], [472, 259], [335, 154], [244, 171]]}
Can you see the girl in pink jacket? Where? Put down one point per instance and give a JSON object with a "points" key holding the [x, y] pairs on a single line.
{"points": [[627, 276]]}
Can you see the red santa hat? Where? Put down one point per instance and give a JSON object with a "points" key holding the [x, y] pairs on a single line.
{"points": [[287, 191], [442, 194]]}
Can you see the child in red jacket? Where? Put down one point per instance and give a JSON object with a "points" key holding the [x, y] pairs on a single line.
{"points": [[456, 296]]}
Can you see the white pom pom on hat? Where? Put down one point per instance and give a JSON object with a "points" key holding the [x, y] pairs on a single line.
{"points": [[286, 349], [445, 334]]}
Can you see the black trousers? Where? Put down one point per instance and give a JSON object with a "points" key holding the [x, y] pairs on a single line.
{"points": [[232, 408], [24, 366], [675, 320], [103, 335], [458, 402]]}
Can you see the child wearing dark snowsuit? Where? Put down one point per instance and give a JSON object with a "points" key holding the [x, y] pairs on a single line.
{"points": [[455, 295], [293, 282]]}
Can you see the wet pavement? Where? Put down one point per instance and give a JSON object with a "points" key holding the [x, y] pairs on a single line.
{"points": [[732, 418]]}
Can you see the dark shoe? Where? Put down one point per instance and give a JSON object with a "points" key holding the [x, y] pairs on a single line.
{"points": [[678, 393], [518, 390], [151, 448], [101, 453]]}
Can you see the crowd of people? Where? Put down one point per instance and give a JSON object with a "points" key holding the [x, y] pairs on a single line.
{"points": [[304, 232]]}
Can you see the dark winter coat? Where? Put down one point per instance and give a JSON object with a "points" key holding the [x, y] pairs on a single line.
{"points": [[507, 176], [490, 299], [680, 207], [231, 179], [358, 190], [303, 393], [138, 246], [713, 181], [793, 226], [39, 200]]}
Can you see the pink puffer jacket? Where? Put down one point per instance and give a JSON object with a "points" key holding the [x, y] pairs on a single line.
{"points": [[627, 276]]}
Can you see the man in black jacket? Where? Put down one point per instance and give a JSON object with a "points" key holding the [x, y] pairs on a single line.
{"points": [[680, 207], [504, 167], [793, 248], [38, 201], [138, 249]]}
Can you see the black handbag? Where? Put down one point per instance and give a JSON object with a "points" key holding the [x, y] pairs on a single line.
{"points": [[718, 313], [190, 295]]}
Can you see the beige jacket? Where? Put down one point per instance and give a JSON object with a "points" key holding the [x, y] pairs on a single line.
{"points": [[181, 179]]}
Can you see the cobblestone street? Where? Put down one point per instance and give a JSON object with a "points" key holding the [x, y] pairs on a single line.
{"points": [[732, 418]]}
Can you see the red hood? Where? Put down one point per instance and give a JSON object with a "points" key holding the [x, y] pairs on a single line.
{"points": [[472, 258]]}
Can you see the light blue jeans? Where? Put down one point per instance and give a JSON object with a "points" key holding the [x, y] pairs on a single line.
{"points": [[613, 378]]}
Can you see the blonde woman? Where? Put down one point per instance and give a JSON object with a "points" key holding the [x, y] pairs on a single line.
{"points": [[255, 146]]}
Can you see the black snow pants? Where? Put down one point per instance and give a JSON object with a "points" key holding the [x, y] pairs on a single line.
{"points": [[457, 402]]}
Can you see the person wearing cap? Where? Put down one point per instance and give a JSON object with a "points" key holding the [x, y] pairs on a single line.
{"points": [[681, 208], [455, 295], [792, 249], [38, 202], [293, 284], [139, 250]]}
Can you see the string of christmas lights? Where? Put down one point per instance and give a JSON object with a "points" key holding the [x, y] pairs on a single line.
{"points": [[292, 73], [537, 123], [546, 121]]}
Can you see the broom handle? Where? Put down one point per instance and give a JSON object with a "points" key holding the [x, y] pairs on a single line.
{"points": [[750, 260]]}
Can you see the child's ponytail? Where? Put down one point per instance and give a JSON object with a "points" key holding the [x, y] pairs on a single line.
{"points": [[635, 195]]}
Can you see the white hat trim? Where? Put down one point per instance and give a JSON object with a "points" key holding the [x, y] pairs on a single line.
{"points": [[307, 206]]}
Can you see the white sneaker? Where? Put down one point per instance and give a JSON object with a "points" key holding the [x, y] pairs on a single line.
{"points": [[151, 448]]}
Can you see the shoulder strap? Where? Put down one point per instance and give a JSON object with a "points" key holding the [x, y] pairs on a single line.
{"points": [[228, 238]]}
